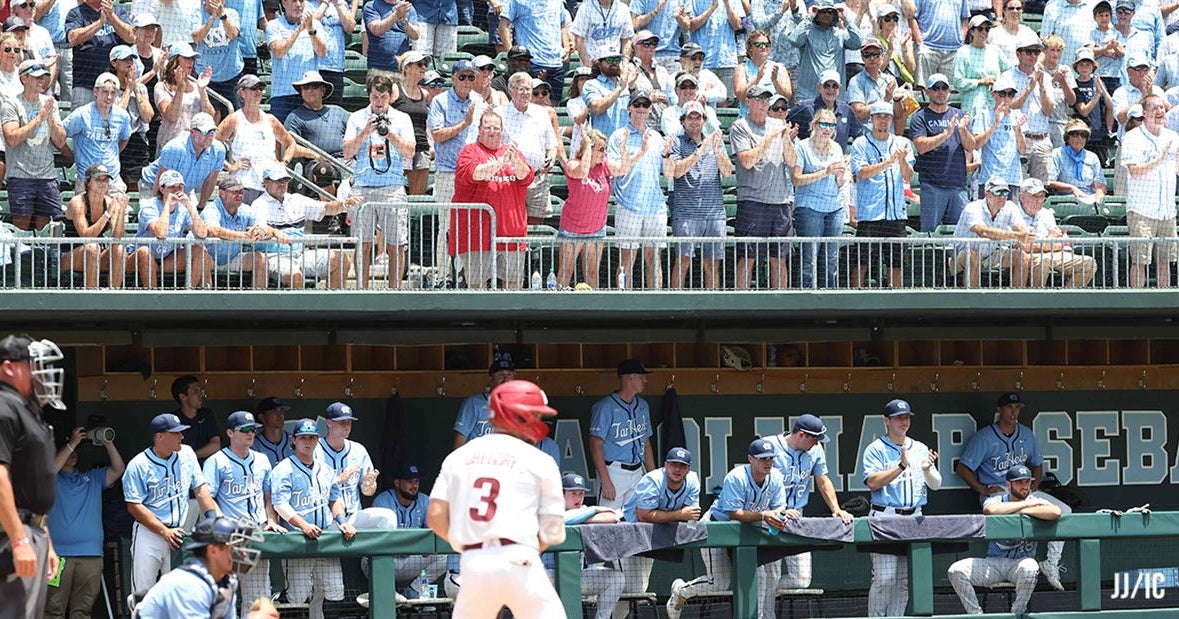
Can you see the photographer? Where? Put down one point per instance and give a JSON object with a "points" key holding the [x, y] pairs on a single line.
{"points": [[76, 522]]}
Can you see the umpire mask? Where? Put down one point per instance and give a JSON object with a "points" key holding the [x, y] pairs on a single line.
{"points": [[47, 378]]}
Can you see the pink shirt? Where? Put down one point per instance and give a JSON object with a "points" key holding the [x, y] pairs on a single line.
{"points": [[585, 210]]}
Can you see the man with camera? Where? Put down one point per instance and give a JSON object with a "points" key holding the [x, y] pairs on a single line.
{"points": [[382, 141], [76, 522]]}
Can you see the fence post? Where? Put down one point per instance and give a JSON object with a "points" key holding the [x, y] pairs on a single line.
{"points": [[921, 578], [383, 573], [1089, 580], [569, 581], [744, 581]]}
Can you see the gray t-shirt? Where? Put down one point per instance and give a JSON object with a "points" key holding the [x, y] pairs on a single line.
{"points": [[32, 158], [768, 181]]}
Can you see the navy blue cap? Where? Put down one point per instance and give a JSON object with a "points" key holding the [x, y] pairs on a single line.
{"points": [[339, 411], [306, 426], [239, 419], [1010, 398], [761, 448], [632, 366], [269, 404], [502, 362], [1018, 472], [812, 425], [896, 408], [679, 454], [408, 471], [573, 481], [167, 422]]}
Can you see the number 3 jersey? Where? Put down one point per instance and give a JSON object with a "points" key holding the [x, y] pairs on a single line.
{"points": [[498, 487]]}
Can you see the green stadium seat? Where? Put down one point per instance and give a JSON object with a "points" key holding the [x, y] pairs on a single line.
{"points": [[727, 116]]}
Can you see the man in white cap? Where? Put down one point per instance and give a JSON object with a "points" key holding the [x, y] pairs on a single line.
{"points": [[998, 133], [941, 137], [32, 130], [1050, 252], [196, 155], [848, 126], [1034, 98], [1140, 83], [995, 218], [882, 163], [172, 215], [607, 94], [873, 83], [100, 131]]}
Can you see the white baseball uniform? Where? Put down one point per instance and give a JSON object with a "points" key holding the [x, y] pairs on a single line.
{"points": [[497, 489]]}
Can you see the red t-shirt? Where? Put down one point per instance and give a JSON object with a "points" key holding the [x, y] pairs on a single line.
{"points": [[585, 210], [506, 192]]}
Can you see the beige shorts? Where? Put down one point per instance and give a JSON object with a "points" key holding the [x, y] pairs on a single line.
{"points": [[393, 222], [538, 201], [1142, 226], [476, 266], [313, 263]]}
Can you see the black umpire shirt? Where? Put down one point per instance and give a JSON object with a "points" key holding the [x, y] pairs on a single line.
{"points": [[26, 446]]}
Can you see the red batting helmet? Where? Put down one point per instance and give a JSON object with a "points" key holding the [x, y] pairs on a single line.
{"points": [[517, 407]]}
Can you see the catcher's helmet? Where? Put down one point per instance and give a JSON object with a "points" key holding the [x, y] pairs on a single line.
{"points": [[238, 536], [518, 407]]}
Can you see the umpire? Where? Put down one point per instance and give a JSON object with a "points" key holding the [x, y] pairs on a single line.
{"points": [[28, 380]]}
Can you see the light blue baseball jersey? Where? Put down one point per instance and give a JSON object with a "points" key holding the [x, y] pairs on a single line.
{"points": [[238, 485], [309, 490], [274, 452], [652, 492], [187, 592], [337, 461], [412, 516], [550, 447], [623, 428], [798, 469], [741, 492], [989, 453], [1011, 548], [162, 484], [472, 418], [907, 491]]}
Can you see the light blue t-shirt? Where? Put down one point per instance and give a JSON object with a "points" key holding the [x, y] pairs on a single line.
{"points": [[639, 191], [740, 491], [179, 221], [822, 195], [216, 215], [299, 59], [75, 521], [447, 110], [1062, 167], [178, 154], [217, 50], [908, 490], [333, 34], [1000, 155], [623, 427], [798, 468], [162, 484], [880, 197], [616, 116], [652, 492], [308, 490], [663, 25], [716, 36], [238, 485], [249, 11], [412, 516], [537, 26], [941, 23], [352, 453], [96, 139]]}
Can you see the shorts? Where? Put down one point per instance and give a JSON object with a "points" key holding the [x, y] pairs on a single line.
{"points": [[872, 253], [312, 263], [393, 222], [712, 228], [509, 266], [34, 197], [538, 201], [588, 236], [421, 161], [760, 219], [628, 223], [1142, 226], [235, 264]]}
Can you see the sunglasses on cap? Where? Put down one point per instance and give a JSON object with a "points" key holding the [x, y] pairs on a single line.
{"points": [[465, 77], [207, 132], [687, 86], [1141, 67], [827, 11]]}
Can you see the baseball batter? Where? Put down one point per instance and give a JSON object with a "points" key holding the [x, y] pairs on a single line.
{"points": [[156, 487], [620, 436], [800, 457], [272, 439], [239, 481], [307, 499], [754, 494], [1006, 561], [472, 418], [897, 469], [498, 501], [669, 494]]}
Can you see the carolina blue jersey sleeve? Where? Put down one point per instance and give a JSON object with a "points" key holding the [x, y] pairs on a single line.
{"points": [[652, 492], [472, 418], [732, 496], [162, 485], [579, 515], [180, 594], [600, 419], [212, 470], [386, 499], [352, 454], [281, 488], [976, 449], [135, 479]]}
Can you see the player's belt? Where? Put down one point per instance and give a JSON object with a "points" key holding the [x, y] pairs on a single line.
{"points": [[899, 510], [31, 519], [503, 541], [625, 466]]}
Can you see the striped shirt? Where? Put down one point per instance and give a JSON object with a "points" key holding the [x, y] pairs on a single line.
{"points": [[698, 193]]}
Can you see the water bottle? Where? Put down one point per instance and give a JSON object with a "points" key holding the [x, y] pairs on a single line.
{"points": [[423, 585], [536, 281], [772, 530], [550, 282], [621, 278]]}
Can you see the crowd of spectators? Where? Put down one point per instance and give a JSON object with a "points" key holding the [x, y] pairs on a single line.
{"points": [[813, 113]]}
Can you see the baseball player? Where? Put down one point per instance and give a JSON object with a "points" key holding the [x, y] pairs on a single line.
{"points": [[669, 494], [307, 499], [272, 438], [349, 460], [472, 418], [800, 456], [239, 482], [156, 486], [206, 587], [1006, 560], [997, 447], [897, 469], [752, 493], [498, 501], [599, 579], [620, 436], [410, 505]]}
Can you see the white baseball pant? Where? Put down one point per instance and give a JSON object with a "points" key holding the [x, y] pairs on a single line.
{"points": [[605, 582], [720, 578], [151, 555], [495, 576], [624, 485], [254, 585], [889, 593], [796, 571], [967, 574]]}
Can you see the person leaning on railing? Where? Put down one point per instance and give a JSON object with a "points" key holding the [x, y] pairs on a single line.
{"points": [[92, 214], [172, 215]]}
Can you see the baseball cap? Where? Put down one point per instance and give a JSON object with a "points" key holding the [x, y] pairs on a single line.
{"points": [[691, 49], [1018, 472], [896, 408], [230, 183], [182, 48], [996, 183], [692, 107], [573, 481], [979, 20], [97, 170], [1028, 40], [685, 77], [1003, 82], [607, 51], [1084, 54], [501, 363], [169, 178], [583, 72], [644, 35], [430, 77], [14, 23], [1138, 60], [34, 68], [106, 79], [880, 107], [481, 61], [15, 348], [203, 122], [275, 173], [761, 448], [812, 425], [167, 422], [640, 93], [1032, 185], [539, 83], [1135, 111], [339, 411], [830, 75], [269, 404], [143, 20], [1127, 3], [121, 52], [887, 10], [519, 51], [757, 90], [250, 82], [937, 78], [413, 57], [1009, 398], [463, 66], [632, 366], [408, 471], [679, 454], [239, 419], [870, 43], [777, 98], [305, 427]]}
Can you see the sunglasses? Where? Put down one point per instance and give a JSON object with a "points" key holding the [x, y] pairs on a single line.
{"points": [[208, 132], [465, 77], [435, 84], [761, 44], [641, 104], [487, 69], [649, 43], [830, 85], [766, 96], [1123, 10], [1002, 193], [612, 59], [939, 87], [107, 128], [778, 108], [1074, 134], [1033, 51], [827, 12], [540, 92], [1006, 94], [871, 54], [248, 429], [827, 125], [984, 28], [687, 86], [890, 18], [17, 50]]}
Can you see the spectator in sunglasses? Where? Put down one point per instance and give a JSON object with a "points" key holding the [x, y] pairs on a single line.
{"points": [[848, 126], [822, 42], [653, 76], [998, 133], [941, 136], [992, 217], [897, 45], [759, 69], [1009, 29], [977, 66]]}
